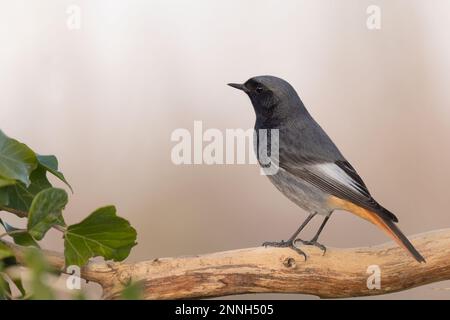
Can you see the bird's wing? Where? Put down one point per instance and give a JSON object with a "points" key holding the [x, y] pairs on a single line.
{"points": [[337, 178]]}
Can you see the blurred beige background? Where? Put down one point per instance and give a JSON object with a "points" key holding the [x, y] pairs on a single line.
{"points": [[105, 99]]}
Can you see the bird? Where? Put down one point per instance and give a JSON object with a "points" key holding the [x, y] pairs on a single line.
{"points": [[311, 171]]}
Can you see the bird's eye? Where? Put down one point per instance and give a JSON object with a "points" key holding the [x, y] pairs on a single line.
{"points": [[259, 89]]}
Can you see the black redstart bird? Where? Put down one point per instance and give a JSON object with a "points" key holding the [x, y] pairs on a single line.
{"points": [[312, 172]]}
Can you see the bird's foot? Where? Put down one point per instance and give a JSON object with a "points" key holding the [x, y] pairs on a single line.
{"points": [[312, 243], [285, 244]]}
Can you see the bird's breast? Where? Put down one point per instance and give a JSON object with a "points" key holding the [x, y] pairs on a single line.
{"points": [[302, 193]]}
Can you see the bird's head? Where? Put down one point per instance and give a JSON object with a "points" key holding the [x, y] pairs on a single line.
{"points": [[273, 99]]}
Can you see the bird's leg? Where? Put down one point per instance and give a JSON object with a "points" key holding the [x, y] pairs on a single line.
{"points": [[290, 242], [313, 241]]}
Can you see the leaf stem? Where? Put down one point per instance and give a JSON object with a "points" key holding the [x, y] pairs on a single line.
{"points": [[12, 233], [60, 228], [21, 214]]}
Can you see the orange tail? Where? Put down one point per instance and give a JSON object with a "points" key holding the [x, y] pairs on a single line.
{"points": [[386, 225]]}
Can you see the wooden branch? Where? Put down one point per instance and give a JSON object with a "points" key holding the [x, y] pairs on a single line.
{"points": [[339, 273]]}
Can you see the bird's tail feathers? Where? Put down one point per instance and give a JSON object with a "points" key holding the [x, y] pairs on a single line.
{"points": [[402, 240], [387, 225]]}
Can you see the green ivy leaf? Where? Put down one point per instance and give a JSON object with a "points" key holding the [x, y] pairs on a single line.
{"points": [[19, 197], [102, 233], [20, 237], [5, 251], [4, 197], [39, 267], [51, 164], [5, 290], [19, 285], [45, 211], [17, 161], [6, 182]]}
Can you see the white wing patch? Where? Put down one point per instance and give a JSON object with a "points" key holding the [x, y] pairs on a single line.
{"points": [[331, 171]]}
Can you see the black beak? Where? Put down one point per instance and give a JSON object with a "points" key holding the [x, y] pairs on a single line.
{"points": [[238, 86]]}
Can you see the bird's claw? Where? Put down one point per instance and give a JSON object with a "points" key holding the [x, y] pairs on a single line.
{"points": [[286, 244], [313, 243]]}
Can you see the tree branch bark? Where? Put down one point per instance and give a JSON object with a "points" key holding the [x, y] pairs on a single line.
{"points": [[340, 273]]}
